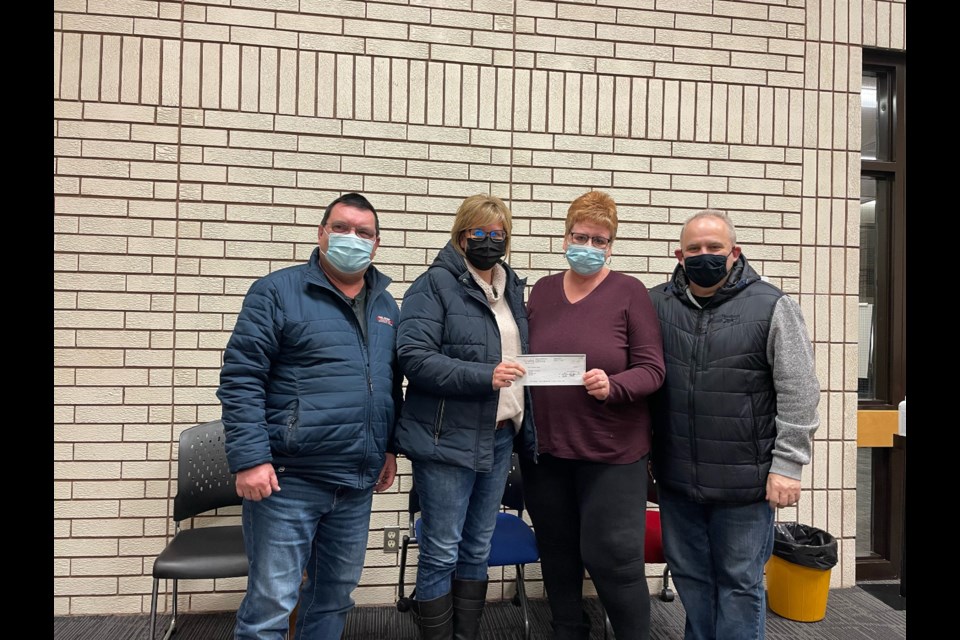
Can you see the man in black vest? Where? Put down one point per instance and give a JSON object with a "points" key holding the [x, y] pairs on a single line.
{"points": [[732, 426]]}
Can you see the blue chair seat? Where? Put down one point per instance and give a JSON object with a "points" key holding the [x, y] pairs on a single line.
{"points": [[513, 541]]}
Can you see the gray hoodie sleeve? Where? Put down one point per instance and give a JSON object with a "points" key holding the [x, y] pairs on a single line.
{"points": [[798, 391]]}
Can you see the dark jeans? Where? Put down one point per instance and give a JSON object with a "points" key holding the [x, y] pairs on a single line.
{"points": [[593, 515]]}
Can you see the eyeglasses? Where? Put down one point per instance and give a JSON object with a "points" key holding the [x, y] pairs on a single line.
{"points": [[497, 235], [598, 241], [362, 232]]}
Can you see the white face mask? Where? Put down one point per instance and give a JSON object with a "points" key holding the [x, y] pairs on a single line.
{"points": [[349, 253]]}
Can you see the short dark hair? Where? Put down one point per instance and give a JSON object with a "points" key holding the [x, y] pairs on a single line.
{"points": [[354, 200]]}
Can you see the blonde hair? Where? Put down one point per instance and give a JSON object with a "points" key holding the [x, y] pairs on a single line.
{"points": [[594, 207], [712, 213], [479, 211]]}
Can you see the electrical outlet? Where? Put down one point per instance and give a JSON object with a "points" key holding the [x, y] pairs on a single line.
{"points": [[391, 539]]}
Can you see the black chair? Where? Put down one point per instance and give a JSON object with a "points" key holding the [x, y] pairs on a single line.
{"points": [[513, 542], [204, 483]]}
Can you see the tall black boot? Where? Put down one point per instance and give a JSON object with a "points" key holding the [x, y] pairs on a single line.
{"points": [[469, 596], [434, 617]]}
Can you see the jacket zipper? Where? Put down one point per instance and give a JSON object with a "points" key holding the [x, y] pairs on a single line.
{"points": [[477, 294], [365, 350], [695, 364]]}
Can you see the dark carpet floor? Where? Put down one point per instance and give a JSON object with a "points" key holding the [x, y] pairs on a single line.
{"points": [[852, 614]]}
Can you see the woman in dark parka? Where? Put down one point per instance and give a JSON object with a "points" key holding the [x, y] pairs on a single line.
{"points": [[461, 324]]}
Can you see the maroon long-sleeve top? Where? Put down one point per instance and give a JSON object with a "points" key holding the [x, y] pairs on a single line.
{"points": [[616, 326]]}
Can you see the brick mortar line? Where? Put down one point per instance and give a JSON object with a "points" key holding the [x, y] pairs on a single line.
{"points": [[176, 270]]}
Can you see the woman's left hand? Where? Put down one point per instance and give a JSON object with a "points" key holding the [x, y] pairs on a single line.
{"points": [[597, 383]]}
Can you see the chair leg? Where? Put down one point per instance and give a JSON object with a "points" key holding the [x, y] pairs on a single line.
{"points": [[524, 606], [173, 621], [153, 609], [665, 593], [404, 601], [403, 566]]}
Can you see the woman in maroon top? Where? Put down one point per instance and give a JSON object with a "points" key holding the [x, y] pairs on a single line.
{"points": [[587, 494]]}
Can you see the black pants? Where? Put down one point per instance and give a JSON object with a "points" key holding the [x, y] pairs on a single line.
{"points": [[593, 515]]}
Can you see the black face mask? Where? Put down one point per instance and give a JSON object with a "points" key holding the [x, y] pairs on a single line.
{"points": [[484, 254], [706, 269]]}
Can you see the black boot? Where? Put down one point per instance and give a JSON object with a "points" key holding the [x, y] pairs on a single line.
{"points": [[434, 617], [469, 596]]}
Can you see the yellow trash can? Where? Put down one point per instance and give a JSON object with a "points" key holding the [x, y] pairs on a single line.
{"points": [[798, 571], [795, 592]]}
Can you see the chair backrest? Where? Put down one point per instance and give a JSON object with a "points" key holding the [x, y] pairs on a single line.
{"points": [[653, 540], [513, 491], [204, 481]]}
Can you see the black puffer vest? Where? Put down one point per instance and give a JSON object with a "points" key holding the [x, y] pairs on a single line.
{"points": [[713, 418]]}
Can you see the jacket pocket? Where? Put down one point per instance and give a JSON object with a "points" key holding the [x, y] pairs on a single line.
{"points": [[291, 433], [438, 421], [755, 432]]}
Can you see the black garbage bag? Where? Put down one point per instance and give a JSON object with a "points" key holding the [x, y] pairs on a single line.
{"points": [[804, 545]]}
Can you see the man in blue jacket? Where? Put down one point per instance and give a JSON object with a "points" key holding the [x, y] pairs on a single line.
{"points": [[311, 389], [733, 426]]}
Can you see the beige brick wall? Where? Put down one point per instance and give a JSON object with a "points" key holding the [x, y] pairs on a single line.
{"points": [[196, 143]]}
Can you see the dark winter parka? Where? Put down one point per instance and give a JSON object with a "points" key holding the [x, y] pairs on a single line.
{"points": [[448, 345]]}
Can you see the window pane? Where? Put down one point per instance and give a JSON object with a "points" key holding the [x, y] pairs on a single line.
{"points": [[868, 116], [869, 245]]}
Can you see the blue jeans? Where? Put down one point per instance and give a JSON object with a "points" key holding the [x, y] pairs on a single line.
{"points": [[458, 507], [716, 554], [307, 525]]}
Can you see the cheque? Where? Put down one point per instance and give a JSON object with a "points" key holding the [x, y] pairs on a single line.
{"points": [[561, 369]]}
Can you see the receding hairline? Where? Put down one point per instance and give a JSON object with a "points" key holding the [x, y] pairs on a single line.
{"points": [[355, 200], [712, 213]]}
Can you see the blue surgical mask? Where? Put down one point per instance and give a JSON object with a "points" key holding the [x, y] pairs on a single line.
{"points": [[348, 253], [585, 260]]}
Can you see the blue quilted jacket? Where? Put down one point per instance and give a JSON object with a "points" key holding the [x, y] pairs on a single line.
{"points": [[448, 345], [301, 388]]}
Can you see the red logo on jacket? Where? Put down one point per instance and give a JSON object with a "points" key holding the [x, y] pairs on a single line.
{"points": [[385, 320]]}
